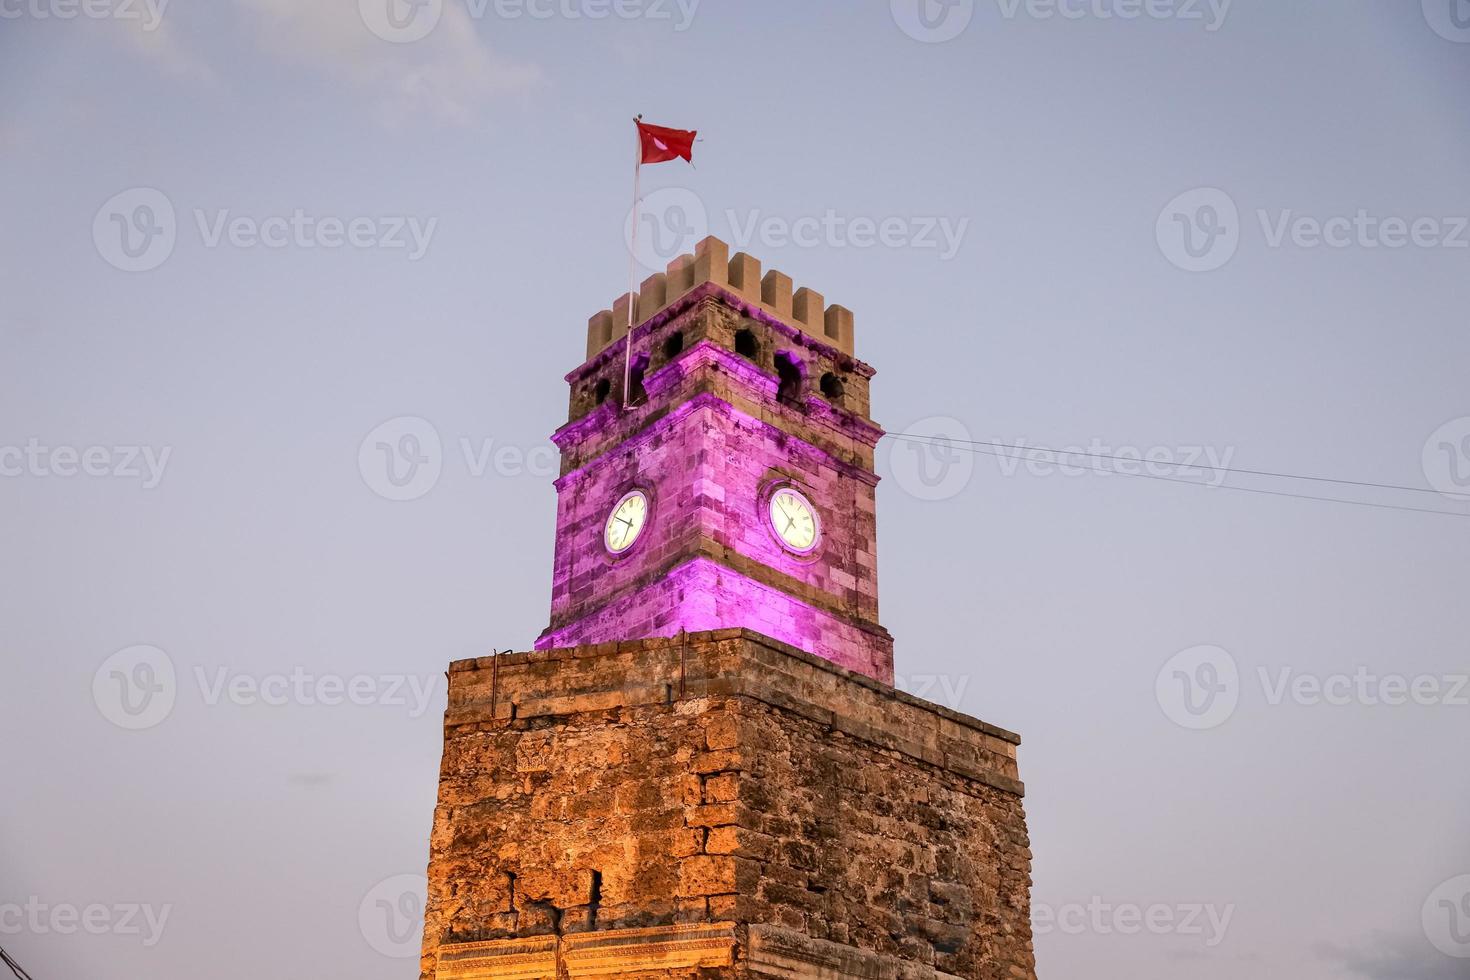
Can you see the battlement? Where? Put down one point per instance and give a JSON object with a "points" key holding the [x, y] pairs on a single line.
{"points": [[741, 274]]}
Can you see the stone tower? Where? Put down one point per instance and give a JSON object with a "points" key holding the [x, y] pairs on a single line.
{"points": [[703, 767]]}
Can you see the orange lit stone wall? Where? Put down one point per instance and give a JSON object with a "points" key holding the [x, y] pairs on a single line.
{"points": [[824, 822]]}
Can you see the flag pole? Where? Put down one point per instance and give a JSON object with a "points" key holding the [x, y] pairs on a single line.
{"points": [[632, 269]]}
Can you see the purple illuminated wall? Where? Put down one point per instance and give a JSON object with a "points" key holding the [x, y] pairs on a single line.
{"points": [[709, 444]]}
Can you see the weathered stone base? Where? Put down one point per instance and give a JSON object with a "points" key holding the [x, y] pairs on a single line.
{"points": [[719, 804], [614, 952], [770, 951]]}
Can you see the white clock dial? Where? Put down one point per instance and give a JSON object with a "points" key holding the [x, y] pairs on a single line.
{"points": [[626, 522], [795, 520]]}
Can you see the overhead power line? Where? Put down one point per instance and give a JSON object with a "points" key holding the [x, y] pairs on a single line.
{"points": [[1008, 451], [15, 967]]}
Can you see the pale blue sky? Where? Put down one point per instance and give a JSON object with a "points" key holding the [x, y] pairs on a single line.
{"points": [[1047, 603]]}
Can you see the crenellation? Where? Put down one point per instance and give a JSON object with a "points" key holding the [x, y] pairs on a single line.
{"points": [[774, 293], [599, 331], [807, 308], [745, 276], [620, 316], [711, 262], [651, 295], [679, 276], [837, 326]]}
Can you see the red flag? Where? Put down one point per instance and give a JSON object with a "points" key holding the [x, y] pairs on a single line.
{"points": [[661, 143]]}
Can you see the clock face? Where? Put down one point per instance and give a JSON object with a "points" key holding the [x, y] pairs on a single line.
{"points": [[795, 520], [626, 522]]}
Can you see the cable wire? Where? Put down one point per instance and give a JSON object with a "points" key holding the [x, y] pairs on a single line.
{"points": [[942, 440], [15, 967], [979, 447]]}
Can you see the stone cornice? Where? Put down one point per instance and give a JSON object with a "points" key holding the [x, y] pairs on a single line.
{"points": [[730, 663]]}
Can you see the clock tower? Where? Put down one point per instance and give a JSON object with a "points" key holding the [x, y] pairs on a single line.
{"points": [[732, 483], [703, 770]]}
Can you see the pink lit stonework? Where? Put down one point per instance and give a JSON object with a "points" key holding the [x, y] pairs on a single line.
{"points": [[740, 389]]}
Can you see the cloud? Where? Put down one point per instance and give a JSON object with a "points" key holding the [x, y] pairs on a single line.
{"points": [[1397, 958], [447, 75], [151, 35]]}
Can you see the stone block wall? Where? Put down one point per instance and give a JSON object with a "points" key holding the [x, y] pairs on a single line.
{"points": [[795, 815]]}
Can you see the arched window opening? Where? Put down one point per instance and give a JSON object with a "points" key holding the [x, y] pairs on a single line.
{"points": [[745, 344], [636, 393], [789, 374]]}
